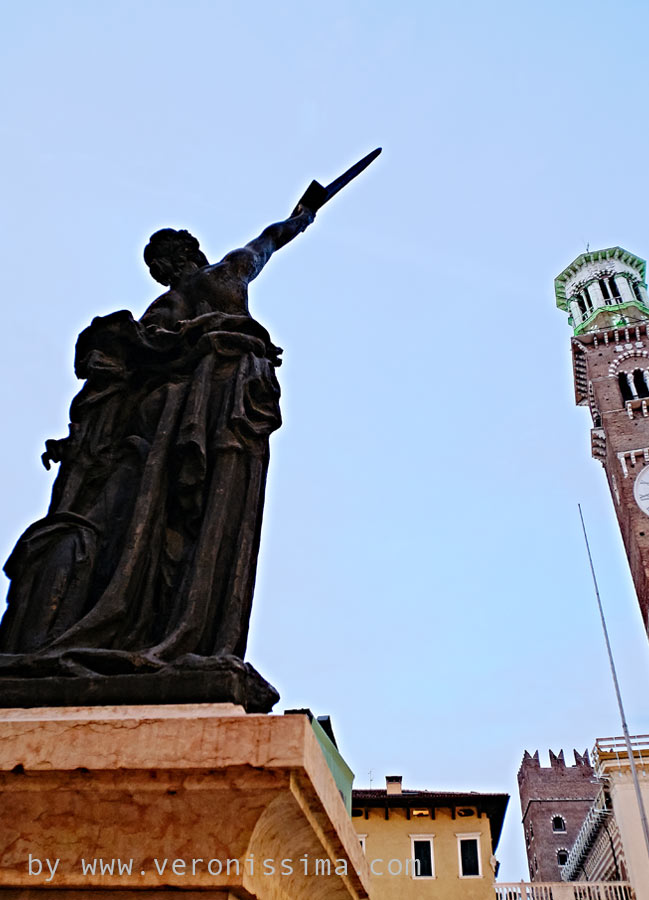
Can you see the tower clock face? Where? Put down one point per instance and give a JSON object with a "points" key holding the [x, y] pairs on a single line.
{"points": [[641, 490]]}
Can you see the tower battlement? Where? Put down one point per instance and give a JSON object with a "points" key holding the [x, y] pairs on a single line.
{"points": [[557, 761], [555, 800]]}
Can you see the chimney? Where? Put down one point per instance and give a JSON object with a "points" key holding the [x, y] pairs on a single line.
{"points": [[393, 784]]}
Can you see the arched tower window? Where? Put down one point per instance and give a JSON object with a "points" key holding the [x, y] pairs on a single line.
{"points": [[625, 387], [606, 294], [558, 823], [640, 382], [562, 857], [615, 291], [638, 292]]}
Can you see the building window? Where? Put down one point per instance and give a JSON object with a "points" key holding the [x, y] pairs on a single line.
{"points": [[422, 856], [638, 292], [614, 288], [558, 823], [584, 304], [640, 379], [562, 857], [625, 386], [634, 385], [606, 294], [468, 849]]}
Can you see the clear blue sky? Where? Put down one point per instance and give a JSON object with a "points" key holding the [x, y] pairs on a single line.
{"points": [[423, 577]]}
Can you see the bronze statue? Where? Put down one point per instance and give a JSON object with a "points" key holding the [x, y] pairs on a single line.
{"points": [[137, 586]]}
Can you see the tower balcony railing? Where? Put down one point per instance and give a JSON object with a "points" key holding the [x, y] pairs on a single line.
{"points": [[612, 752], [560, 890], [622, 307]]}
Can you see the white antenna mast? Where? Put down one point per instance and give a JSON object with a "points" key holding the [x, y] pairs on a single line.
{"points": [[625, 729]]}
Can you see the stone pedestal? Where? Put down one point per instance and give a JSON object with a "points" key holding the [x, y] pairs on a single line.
{"points": [[194, 798]]}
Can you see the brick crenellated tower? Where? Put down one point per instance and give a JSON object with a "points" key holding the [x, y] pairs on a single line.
{"points": [[554, 804], [605, 293]]}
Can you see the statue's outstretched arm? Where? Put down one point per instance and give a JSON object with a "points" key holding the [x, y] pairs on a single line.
{"points": [[251, 259]]}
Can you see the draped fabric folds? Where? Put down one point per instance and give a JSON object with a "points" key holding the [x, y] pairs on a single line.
{"points": [[148, 552]]}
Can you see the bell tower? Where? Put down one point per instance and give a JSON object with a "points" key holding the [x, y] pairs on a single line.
{"points": [[605, 295]]}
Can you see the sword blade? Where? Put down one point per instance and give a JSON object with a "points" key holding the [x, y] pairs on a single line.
{"points": [[316, 195], [344, 179]]}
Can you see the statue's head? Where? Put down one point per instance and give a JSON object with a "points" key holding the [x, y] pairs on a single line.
{"points": [[168, 253]]}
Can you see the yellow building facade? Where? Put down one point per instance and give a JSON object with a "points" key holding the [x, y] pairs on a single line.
{"points": [[427, 844]]}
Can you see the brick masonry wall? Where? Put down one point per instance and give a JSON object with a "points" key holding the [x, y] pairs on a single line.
{"points": [[547, 792], [622, 434]]}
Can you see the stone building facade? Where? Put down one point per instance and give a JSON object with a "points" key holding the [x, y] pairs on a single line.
{"points": [[610, 845], [555, 801]]}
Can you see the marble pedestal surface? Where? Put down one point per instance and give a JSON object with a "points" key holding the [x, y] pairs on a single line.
{"points": [[174, 792]]}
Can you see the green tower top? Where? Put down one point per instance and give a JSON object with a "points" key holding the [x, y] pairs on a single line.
{"points": [[603, 289]]}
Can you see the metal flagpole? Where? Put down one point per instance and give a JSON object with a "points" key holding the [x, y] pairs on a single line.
{"points": [[625, 729]]}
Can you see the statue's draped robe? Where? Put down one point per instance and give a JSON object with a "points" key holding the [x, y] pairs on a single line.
{"points": [[148, 553]]}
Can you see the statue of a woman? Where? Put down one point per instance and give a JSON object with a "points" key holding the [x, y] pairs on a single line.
{"points": [[140, 578]]}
